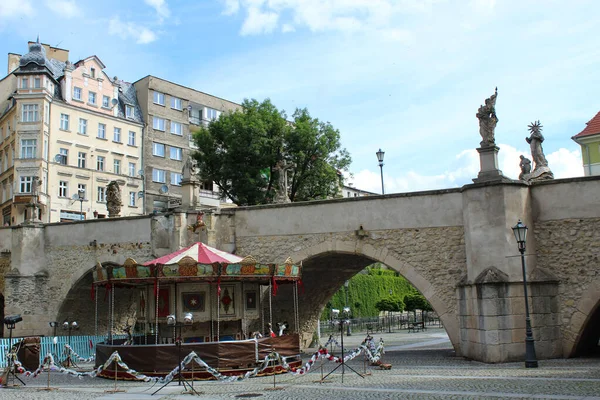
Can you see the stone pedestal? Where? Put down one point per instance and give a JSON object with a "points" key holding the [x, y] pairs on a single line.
{"points": [[189, 199], [488, 161]]}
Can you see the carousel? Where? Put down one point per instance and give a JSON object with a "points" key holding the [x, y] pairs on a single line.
{"points": [[202, 300]]}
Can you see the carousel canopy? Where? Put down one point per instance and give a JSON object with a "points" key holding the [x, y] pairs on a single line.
{"points": [[200, 253]]}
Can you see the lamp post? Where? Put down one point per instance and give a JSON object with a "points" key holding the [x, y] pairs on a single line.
{"points": [[81, 197], [520, 231], [69, 326], [380, 159], [389, 312], [346, 284]]}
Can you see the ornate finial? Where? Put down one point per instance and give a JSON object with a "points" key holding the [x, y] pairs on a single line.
{"points": [[535, 126], [248, 260]]}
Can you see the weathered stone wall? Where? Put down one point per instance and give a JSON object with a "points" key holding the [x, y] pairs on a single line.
{"points": [[432, 259], [569, 250]]}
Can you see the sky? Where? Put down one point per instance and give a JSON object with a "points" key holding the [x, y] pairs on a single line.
{"points": [[404, 76]]}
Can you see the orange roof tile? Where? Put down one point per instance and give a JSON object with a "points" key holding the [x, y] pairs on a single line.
{"points": [[592, 127]]}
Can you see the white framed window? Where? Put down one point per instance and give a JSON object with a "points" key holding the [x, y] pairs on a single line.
{"points": [[176, 128], [117, 167], [24, 83], [158, 149], [30, 113], [175, 178], [91, 97], [101, 194], [83, 126], [105, 101], [132, 171], [158, 175], [37, 83], [158, 98], [158, 123], [117, 135], [77, 93], [176, 103], [64, 156], [131, 138], [25, 183], [212, 114], [132, 199], [63, 189], [129, 111], [101, 131], [81, 159], [81, 188], [28, 148], [64, 122], [175, 153], [100, 163]]}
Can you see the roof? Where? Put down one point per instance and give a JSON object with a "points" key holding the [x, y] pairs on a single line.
{"points": [[200, 253], [592, 128]]}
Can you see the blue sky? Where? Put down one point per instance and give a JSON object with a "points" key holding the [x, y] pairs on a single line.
{"points": [[404, 76]]}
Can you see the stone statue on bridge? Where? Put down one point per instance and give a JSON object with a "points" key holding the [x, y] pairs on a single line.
{"points": [[525, 166], [488, 120], [281, 195], [113, 199], [535, 139], [188, 172]]}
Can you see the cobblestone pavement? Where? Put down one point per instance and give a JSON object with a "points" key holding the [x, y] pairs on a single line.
{"points": [[424, 367]]}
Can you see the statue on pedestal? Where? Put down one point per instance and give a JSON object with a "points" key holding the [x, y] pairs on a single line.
{"points": [[188, 172], [541, 170], [488, 120], [525, 166], [113, 199], [281, 196]]}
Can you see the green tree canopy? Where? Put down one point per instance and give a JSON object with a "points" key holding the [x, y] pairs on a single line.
{"points": [[391, 303], [416, 301], [240, 152]]}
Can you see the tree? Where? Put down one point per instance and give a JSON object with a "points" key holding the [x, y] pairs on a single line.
{"points": [[390, 304], [240, 152], [416, 301]]}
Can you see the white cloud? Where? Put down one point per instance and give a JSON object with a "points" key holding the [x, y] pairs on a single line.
{"points": [[231, 7], [258, 22], [161, 7], [64, 8], [126, 30], [15, 8], [286, 28]]}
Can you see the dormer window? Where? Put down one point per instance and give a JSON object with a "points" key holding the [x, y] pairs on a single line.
{"points": [[129, 111], [77, 93], [93, 72]]}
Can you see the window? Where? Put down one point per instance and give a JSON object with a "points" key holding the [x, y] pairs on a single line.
{"points": [[101, 194], [45, 149], [132, 169], [92, 98], [28, 148], [131, 140], [37, 83], [117, 167], [158, 123], [117, 135], [24, 83], [175, 153], [77, 93], [105, 101], [63, 189], [176, 103], [81, 189], [93, 72], [64, 122], [83, 126], [25, 184], [47, 113], [30, 113], [132, 199], [159, 98], [212, 114], [175, 178], [100, 163], [158, 175], [129, 111], [158, 149], [81, 158], [64, 156], [176, 128], [101, 131]]}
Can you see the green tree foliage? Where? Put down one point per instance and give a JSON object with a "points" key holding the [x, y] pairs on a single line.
{"points": [[390, 304], [416, 301], [240, 152]]}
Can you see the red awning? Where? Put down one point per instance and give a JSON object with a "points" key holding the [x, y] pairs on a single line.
{"points": [[200, 252]]}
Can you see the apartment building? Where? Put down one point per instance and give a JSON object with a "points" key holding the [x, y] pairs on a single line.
{"points": [[589, 140], [66, 131], [172, 112]]}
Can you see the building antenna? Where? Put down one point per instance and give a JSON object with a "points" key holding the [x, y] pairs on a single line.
{"points": [[58, 44]]}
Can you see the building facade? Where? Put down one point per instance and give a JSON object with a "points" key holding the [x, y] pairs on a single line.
{"points": [[67, 130], [589, 140], [172, 112]]}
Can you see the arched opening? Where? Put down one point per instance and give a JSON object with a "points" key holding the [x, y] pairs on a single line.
{"points": [[589, 341]]}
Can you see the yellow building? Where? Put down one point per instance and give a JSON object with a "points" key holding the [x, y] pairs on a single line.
{"points": [[589, 140], [67, 130]]}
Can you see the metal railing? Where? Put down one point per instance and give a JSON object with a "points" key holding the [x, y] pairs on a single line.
{"points": [[381, 324]]}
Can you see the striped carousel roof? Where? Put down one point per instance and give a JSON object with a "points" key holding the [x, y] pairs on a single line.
{"points": [[200, 252]]}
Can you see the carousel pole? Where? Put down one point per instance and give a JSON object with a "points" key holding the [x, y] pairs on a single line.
{"points": [[270, 305], [156, 311], [112, 312], [96, 312]]}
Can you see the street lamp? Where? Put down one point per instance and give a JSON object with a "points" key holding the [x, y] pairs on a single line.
{"points": [[348, 332], [389, 312], [520, 231], [69, 326], [380, 159], [80, 196]]}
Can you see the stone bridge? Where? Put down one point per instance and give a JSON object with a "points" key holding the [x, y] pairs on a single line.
{"points": [[455, 246]]}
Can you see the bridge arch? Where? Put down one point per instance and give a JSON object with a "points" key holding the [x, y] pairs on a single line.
{"points": [[354, 256], [583, 332]]}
